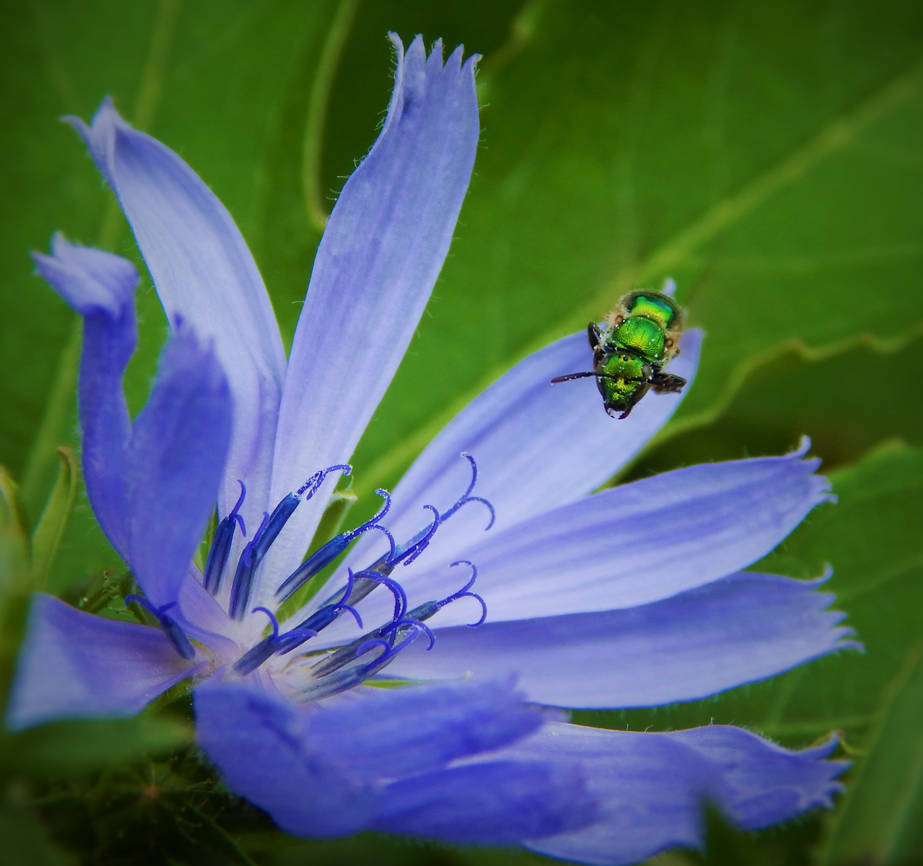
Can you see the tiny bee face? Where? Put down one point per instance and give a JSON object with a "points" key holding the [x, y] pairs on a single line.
{"points": [[630, 348]]}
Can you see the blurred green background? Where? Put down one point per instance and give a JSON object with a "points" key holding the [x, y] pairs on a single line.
{"points": [[767, 156]]}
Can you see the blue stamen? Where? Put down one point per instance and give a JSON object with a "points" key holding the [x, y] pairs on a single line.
{"points": [[312, 485], [466, 496], [272, 619], [256, 655], [173, 632], [267, 647], [328, 552], [294, 639], [321, 618], [345, 677], [400, 597], [269, 530], [418, 543], [399, 626], [429, 608], [342, 668], [221, 545], [243, 576]]}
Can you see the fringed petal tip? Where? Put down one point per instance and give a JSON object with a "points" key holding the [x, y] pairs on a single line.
{"points": [[391, 228], [88, 279], [105, 115], [105, 121], [734, 631], [99, 135], [829, 598], [812, 463], [201, 269], [416, 54], [820, 484]]}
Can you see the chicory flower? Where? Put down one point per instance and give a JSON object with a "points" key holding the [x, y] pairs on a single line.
{"points": [[629, 597]]}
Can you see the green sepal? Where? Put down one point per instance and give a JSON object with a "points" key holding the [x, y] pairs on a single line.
{"points": [[50, 529], [14, 532]]}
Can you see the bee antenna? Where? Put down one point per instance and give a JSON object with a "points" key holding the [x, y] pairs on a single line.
{"points": [[586, 375]]}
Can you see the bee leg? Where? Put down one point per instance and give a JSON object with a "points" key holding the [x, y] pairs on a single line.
{"points": [[592, 333], [667, 383]]}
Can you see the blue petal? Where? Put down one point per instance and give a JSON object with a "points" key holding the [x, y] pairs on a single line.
{"points": [[738, 630], [205, 275], [630, 545], [397, 732], [322, 770], [490, 803], [537, 446], [257, 741], [100, 286], [652, 787], [76, 664], [178, 450], [382, 250]]}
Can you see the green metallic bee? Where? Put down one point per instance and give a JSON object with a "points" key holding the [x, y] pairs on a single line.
{"points": [[630, 348]]}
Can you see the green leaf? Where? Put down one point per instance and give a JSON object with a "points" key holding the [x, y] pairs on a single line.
{"points": [[69, 748], [771, 169], [51, 525], [25, 842], [881, 821]]}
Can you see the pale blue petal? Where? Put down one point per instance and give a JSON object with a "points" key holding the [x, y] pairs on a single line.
{"points": [[733, 631], [382, 250], [537, 446], [100, 286], [652, 788], [202, 617], [74, 664], [176, 461], [204, 275], [629, 545]]}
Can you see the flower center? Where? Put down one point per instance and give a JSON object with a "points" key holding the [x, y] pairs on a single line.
{"points": [[362, 658]]}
